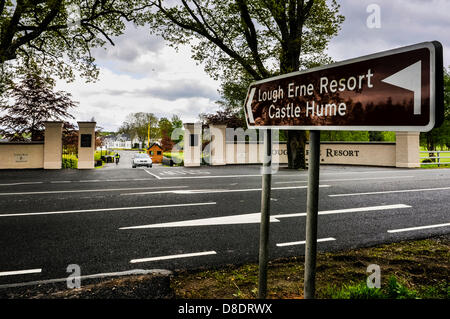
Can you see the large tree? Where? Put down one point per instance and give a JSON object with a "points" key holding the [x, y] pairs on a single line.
{"points": [[244, 40], [33, 102], [58, 35], [137, 124]]}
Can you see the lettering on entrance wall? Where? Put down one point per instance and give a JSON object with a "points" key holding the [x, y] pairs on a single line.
{"points": [[21, 158], [338, 153]]}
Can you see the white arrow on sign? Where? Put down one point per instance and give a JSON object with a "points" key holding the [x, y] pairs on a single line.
{"points": [[249, 106], [409, 78]]}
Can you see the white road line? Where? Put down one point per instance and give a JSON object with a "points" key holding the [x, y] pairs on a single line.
{"points": [[101, 275], [152, 174], [142, 260], [209, 176], [90, 190], [255, 218], [21, 272], [212, 191], [21, 183], [347, 210], [60, 182], [417, 228], [350, 179], [105, 209], [320, 240], [391, 192]]}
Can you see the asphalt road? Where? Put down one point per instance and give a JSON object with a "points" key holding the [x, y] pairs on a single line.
{"points": [[110, 220]]}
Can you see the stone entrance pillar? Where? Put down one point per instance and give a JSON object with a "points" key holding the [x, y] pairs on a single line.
{"points": [[218, 144], [192, 144], [53, 145], [86, 145], [407, 149]]}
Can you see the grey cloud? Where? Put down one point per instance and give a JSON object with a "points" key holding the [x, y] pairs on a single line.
{"points": [[403, 22], [179, 90], [128, 46], [173, 90]]}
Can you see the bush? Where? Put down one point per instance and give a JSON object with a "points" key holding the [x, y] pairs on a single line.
{"points": [[69, 161], [175, 157]]}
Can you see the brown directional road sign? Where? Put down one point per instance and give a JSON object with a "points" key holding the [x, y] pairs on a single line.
{"points": [[396, 90]]}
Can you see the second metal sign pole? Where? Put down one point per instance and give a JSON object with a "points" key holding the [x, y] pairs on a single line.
{"points": [[265, 215], [312, 207]]}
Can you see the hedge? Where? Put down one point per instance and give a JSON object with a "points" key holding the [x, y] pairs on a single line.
{"points": [[69, 161]]}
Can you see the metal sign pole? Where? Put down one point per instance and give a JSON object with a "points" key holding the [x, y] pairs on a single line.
{"points": [[265, 214], [312, 205]]}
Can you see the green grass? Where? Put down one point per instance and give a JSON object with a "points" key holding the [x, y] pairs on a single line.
{"points": [[393, 290], [444, 162]]}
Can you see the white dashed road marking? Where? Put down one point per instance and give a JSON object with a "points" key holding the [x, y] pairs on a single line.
{"points": [[142, 260], [293, 243], [417, 228], [392, 192], [21, 272]]}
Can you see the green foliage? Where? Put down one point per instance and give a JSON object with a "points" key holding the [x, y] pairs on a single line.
{"points": [[440, 137], [58, 35], [177, 157], [344, 136], [396, 290], [359, 291], [356, 136], [69, 161], [392, 290], [136, 124], [439, 290]]}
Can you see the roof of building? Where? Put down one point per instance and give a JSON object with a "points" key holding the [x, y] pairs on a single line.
{"points": [[155, 144]]}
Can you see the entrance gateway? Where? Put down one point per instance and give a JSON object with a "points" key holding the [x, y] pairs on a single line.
{"points": [[396, 90]]}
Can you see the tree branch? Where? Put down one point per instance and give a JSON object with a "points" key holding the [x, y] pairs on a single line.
{"points": [[251, 37], [215, 40]]}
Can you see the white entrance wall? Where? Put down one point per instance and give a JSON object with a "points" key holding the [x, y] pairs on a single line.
{"points": [[21, 155], [86, 145], [403, 153]]}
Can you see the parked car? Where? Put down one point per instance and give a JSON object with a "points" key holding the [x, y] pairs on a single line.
{"points": [[141, 159]]}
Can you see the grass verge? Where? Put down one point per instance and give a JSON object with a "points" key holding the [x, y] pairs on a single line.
{"points": [[409, 270]]}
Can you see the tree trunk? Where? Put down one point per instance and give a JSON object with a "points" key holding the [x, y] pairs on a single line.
{"points": [[296, 149]]}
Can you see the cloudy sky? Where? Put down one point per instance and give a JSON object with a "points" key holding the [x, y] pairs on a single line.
{"points": [[142, 74]]}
